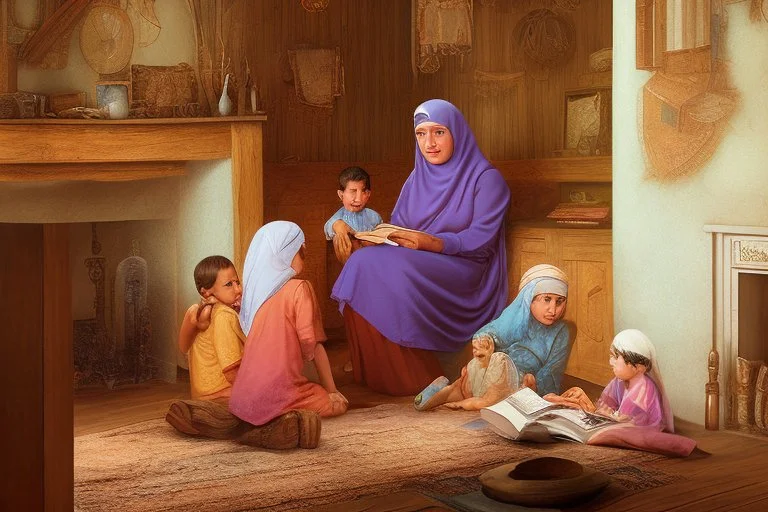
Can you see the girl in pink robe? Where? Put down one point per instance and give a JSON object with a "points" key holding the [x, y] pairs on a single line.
{"points": [[283, 327]]}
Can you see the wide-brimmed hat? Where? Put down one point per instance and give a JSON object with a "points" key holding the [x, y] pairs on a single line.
{"points": [[543, 482]]}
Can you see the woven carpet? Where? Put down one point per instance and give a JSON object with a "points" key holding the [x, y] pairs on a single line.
{"points": [[366, 452]]}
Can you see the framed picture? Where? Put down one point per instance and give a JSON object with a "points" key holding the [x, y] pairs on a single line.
{"points": [[588, 122], [115, 97]]}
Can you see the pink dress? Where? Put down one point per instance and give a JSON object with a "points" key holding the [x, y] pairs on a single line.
{"points": [[283, 336], [641, 401]]}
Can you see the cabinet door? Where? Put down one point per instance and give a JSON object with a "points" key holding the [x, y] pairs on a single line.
{"points": [[525, 248], [587, 259]]}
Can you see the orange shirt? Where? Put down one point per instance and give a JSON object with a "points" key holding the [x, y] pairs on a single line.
{"points": [[216, 348]]}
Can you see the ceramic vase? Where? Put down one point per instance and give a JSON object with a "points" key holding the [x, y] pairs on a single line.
{"points": [[225, 104]]}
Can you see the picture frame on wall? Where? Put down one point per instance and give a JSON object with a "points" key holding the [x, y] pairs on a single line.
{"points": [[587, 123], [114, 97]]}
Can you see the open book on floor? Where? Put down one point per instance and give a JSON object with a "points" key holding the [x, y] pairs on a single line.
{"points": [[525, 416], [380, 234]]}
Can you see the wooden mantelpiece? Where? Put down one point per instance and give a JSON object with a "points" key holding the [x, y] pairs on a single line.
{"points": [[139, 149], [39, 421]]}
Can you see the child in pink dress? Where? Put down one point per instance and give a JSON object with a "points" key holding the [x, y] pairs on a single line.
{"points": [[283, 326], [636, 394]]}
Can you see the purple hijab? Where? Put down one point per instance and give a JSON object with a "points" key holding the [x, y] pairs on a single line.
{"points": [[428, 300]]}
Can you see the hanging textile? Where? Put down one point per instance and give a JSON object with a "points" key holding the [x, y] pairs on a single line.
{"points": [[443, 27], [318, 75]]}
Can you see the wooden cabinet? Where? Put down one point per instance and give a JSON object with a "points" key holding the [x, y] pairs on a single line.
{"points": [[585, 255]]}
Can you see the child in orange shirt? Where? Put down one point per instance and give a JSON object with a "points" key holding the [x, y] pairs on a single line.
{"points": [[210, 331]]}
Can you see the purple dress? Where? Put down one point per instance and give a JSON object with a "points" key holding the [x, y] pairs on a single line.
{"points": [[428, 300]]}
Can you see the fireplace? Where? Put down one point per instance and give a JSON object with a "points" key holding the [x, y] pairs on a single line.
{"points": [[737, 391], [129, 168]]}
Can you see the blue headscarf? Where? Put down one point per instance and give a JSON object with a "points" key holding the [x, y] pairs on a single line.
{"points": [[535, 348]]}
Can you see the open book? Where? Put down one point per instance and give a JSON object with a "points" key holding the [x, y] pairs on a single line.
{"points": [[380, 234], [525, 416]]}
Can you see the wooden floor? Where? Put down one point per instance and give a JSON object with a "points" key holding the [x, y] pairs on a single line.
{"points": [[727, 472]]}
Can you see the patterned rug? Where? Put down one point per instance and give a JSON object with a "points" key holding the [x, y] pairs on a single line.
{"points": [[148, 466]]}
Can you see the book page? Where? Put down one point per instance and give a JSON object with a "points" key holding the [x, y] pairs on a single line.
{"points": [[582, 419], [527, 401]]}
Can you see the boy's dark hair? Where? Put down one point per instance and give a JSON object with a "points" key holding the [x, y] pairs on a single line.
{"points": [[354, 173], [634, 358], [208, 269]]}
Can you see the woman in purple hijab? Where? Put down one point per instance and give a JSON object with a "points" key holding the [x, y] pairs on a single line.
{"points": [[400, 305]]}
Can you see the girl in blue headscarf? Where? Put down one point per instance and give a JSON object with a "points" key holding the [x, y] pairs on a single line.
{"points": [[402, 305], [531, 330]]}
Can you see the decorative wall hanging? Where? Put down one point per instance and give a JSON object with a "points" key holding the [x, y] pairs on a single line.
{"points": [[314, 5], [149, 25], [106, 39], [758, 10], [442, 27], [318, 76], [489, 84], [601, 60], [588, 123], [164, 91], [546, 39], [689, 99]]}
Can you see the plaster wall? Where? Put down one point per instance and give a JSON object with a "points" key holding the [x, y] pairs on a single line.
{"points": [[661, 255]]}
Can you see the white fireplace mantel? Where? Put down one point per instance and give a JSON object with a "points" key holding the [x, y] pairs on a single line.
{"points": [[735, 250]]}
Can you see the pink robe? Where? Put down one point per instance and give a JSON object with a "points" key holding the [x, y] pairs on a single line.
{"points": [[283, 336], [641, 401]]}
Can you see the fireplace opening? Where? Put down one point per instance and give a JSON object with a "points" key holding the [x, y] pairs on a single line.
{"points": [[748, 404], [123, 283]]}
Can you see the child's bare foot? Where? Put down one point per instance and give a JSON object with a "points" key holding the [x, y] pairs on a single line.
{"points": [[424, 400], [299, 428]]}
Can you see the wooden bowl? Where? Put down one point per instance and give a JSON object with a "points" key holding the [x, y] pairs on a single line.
{"points": [[543, 482]]}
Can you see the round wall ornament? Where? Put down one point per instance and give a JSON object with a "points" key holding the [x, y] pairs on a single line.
{"points": [[106, 38], [314, 5]]}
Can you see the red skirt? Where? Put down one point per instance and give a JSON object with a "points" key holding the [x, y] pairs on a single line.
{"points": [[385, 366]]}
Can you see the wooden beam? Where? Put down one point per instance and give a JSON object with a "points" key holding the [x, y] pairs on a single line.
{"points": [[586, 169], [247, 186], [120, 171], [58, 370]]}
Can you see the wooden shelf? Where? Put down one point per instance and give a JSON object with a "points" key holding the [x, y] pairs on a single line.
{"points": [[47, 141], [586, 169]]}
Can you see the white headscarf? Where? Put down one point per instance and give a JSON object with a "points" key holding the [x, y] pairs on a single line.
{"points": [[268, 266], [632, 340]]}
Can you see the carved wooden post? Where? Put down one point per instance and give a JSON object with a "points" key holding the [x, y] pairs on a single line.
{"points": [[712, 412], [761, 398]]}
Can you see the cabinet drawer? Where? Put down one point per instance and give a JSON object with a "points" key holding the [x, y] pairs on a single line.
{"points": [[533, 246]]}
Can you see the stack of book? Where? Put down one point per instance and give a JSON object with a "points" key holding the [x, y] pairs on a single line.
{"points": [[581, 213]]}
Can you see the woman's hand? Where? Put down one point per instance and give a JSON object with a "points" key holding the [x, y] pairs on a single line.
{"points": [[417, 240]]}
